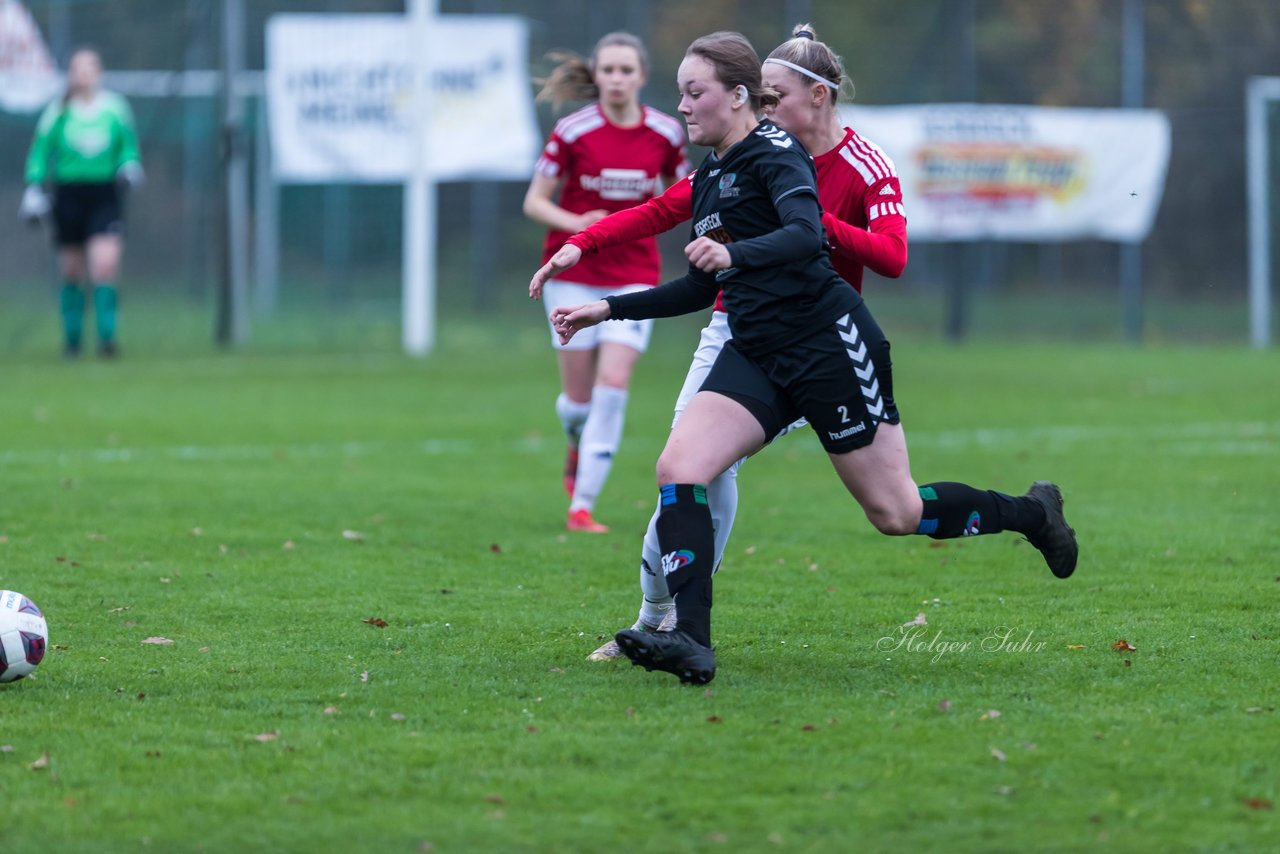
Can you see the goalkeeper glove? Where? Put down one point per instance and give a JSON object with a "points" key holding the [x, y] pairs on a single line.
{"points": [[35, 204], [131, 175]]}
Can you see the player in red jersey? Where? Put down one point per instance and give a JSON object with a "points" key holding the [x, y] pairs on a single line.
{"points": [[603, 158], [865, 226]]}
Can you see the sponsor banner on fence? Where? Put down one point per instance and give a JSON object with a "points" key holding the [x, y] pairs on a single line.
{"points": [[28, 78], [340, 92], [977, 172]]}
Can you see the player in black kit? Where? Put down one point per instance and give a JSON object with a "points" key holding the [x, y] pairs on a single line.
{"points": [[804, 344]]}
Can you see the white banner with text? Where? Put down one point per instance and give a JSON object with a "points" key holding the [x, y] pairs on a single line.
{"points": [[340, 92]]}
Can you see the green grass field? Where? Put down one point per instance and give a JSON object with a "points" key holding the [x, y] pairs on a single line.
{"points": [[203, 498]]}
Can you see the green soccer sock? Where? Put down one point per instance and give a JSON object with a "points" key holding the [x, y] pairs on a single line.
{"points": [[104, 310], [71, 304]]}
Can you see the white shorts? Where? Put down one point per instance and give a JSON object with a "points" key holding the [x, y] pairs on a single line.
{"points": [[710, 343], [633, 333]]}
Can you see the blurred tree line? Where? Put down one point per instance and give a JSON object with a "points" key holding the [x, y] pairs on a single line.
{"points": [[1198, 55]]}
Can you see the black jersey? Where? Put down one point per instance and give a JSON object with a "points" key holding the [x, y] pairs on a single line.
{"points": [[761, 201], [771, 299]]}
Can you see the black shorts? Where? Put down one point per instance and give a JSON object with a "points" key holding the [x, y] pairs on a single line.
{"points": [[840, 378], [82, 210]]}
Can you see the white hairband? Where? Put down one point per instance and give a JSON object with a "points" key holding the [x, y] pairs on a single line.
{"points": [[806, 72]]}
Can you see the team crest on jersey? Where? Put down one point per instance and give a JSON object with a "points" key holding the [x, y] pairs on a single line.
{"points": [[673, 561], [727, 190]]}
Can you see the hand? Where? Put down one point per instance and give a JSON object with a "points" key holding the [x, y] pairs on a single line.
{"points": [[707, 255], [35, 204], [589, 218], [568, 320], [131, 175], [566, 256]]}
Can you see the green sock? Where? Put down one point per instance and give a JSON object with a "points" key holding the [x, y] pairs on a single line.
{"points": [[71, 303], [104, 309]]}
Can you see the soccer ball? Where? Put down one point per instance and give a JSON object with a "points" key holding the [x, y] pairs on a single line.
{"points": [[23, 635]]}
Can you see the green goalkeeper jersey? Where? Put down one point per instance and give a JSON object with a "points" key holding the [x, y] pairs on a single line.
{"points": [[83, 143]]}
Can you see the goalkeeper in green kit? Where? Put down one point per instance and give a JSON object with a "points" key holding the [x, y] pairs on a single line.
{"points": [[86, 149]]}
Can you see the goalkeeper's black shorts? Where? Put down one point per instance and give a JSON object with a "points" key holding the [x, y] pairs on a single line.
{"points": [[82, 210]]}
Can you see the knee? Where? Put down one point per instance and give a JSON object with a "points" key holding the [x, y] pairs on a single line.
{"points": [[896, 521], [671, 469]]}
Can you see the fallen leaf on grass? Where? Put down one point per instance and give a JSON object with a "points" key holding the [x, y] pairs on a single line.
{"points": [[808, 728], [495, 548], [1123, 645], [1258, 804], [42, 762], [1253, 710], [990, 715], [944, 705], [714, 719], [364, 676], [397, 716], [120, 609], [353, 535], [197, 532], [376, 621], [157, 640], [999, 754], [96, 537], [289, 545], [918, 621], [6, 748], [1075, 646], [267, 736], [495, 799], [531, 729], [331, 710], [630, 712]]}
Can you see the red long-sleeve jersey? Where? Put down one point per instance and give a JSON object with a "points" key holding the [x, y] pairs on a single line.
{"points": [[861, 202]]}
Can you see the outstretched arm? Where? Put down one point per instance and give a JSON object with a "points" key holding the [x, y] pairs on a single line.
{"points": [[883, 249], [659, 214]]}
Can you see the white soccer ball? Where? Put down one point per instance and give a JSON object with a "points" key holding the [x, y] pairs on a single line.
{"points": [[23, 635]]}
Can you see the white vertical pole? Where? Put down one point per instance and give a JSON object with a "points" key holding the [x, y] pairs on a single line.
{"points": [[266, 243], [234, 325], [1257, 91], [419, 288]]}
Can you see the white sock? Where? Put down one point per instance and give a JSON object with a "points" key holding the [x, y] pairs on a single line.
{"points": [[722, 500], [572, 416], [601, 436], [657, 600]]}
